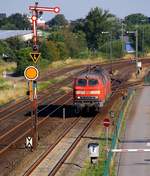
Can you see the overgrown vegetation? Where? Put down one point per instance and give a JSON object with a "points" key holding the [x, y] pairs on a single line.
{"points": [[90, 37]]}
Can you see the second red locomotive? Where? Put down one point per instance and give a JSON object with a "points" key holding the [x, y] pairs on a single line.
{"points": [[91, 89]]}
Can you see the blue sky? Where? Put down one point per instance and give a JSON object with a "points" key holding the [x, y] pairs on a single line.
{"points": [[74, 9]]}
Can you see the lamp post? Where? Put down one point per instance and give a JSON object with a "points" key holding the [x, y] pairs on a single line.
{"points": [[110, 46]]}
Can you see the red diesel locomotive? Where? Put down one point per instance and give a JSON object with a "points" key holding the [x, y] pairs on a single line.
{"points": [[91, 89]]}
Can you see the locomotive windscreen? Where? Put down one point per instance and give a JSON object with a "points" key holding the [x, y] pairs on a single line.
{"points": [[81, 82]]}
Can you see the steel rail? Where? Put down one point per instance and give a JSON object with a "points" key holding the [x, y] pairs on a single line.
{"points": [[29, 130]]}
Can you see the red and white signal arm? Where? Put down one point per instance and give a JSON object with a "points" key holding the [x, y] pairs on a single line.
{"points": [[106, 122], [48, 9]]}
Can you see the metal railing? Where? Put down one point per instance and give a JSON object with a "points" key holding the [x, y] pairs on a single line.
{"points": [[116, 134], [147, 79]]}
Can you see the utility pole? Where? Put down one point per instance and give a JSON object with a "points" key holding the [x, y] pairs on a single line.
{"points": [[110, 47], [37, 11], [143, 48], [122, 36], [143, 35], [111, 50], [136, 33]]}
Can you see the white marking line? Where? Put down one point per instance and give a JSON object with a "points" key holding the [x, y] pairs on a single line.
{"points": [[106, 122], [148, 144], [130, 150]]}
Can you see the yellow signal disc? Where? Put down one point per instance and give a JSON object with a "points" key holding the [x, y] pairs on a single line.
{"points": [[31, 73]]}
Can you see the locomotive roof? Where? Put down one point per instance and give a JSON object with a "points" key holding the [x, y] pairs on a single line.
{"points": [[94, 72]]}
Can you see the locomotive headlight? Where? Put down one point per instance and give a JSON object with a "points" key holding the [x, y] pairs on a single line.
{"points": [[95, 92], [80, 92]]}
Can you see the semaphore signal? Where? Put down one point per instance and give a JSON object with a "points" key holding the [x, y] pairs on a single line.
{"points": [[31, 73], [36, 12]]}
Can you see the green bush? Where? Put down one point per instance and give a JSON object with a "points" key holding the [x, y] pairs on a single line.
{"points": [[116, 49], [3, 84], [23, 60], [6, 52]]}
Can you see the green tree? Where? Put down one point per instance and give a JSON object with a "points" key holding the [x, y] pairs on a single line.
{"points": [[69, 44], [117, 49], [63, 50], [56, 36], [136, 18], [15, 43], [59, 20], [77, 25], [146, 37], [75, 42], [96, 21], [45, 52], [23, 60], [143, 37], [8, 26], [15, 21], [6, 52], [54, 54]]}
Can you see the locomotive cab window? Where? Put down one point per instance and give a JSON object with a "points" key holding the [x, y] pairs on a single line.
{"points": [[93, 82], [81, 82]]}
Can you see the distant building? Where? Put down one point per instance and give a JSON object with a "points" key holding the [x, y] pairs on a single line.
{"points": [[2, 15], [40, 23]]}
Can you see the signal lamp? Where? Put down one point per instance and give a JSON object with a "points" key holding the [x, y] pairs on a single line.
{"points": [[35, 47], [28, 93]]}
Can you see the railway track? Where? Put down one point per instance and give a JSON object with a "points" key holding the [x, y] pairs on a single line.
{"points": [[11, 137], [25, 103], [50, 75], [56, 156], [53, 171], [28, 122], [42, 97]]}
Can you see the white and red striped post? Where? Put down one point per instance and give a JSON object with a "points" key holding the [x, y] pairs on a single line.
{"points": [[34, 22], [35, 14]]}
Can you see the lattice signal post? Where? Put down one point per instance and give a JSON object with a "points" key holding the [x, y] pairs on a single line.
{"points": [[37, 11]]}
